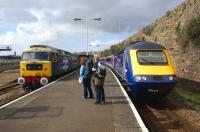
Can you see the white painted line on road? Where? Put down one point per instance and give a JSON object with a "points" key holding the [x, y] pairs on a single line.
{"points": [[5, 105], [135, 112]]}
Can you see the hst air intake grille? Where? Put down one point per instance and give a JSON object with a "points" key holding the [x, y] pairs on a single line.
{"points": [[158, 78], [34, 66]]}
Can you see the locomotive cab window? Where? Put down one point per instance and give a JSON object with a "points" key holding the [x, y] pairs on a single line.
{"points": [[42, 56], [35, 55], [151, 57], [28, 56]]}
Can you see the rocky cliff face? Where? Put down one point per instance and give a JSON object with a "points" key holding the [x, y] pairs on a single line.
{"points": [[167, 31]]}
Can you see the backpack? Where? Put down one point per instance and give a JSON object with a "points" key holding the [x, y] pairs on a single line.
{"points": [[101, 72], [88, 70]]}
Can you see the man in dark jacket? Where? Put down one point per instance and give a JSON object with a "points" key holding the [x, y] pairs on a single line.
{"points": [[88, 76], [98, 79]]}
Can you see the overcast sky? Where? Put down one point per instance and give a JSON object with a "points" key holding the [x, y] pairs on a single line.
{"points": [[50, 22]]}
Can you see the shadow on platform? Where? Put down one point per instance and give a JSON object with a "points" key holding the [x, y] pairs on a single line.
{"points": [[30, 112]]}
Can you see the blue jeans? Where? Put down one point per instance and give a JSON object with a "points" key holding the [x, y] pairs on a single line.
{"points": [[100, 95], [87, 87]]}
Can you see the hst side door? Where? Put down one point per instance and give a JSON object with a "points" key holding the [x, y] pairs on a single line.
{"points": [[119, 64], [125, 65]]}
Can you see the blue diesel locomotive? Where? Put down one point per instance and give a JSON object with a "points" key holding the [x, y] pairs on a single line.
{"points": [[41, 63], [146, 67]]}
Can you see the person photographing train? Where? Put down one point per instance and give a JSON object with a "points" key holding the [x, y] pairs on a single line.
{"points": [[98, 79]]}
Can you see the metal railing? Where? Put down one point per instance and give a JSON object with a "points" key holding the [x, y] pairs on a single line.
{"points": [[5, 48]]}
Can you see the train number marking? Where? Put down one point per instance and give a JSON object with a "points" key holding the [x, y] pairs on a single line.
{"points": [[153, 90]]}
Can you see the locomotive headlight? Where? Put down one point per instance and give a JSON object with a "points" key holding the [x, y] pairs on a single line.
{"points": [[21, 80], [144, 78], [138, 78], [44, 81], [171, 78]]}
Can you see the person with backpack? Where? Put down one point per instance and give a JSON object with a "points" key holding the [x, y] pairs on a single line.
{"points": [[86, 72], [98, 78]]}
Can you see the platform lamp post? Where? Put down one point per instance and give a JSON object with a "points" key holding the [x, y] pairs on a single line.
{"points": [[86, 24], [94, 48]]}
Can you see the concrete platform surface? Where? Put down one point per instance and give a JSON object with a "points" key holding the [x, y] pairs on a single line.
{"points": [[60, 107]]}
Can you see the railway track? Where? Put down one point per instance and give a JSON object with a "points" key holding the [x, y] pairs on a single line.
{"points": [[161, 115], [9, 87], [8, 68], [10, 91]]}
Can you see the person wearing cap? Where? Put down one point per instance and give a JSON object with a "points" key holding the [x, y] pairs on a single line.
{"points": [[98, 79]]}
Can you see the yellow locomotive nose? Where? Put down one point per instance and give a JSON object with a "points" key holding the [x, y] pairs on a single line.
{"points": [[28, 68], [151, 69]]}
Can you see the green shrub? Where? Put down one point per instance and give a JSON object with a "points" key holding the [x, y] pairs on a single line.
{"points": [[148, 30], [192, 30], [156, 39], [143, 38], [178, 28], [168, 13], [189, 33], [184, 6]]}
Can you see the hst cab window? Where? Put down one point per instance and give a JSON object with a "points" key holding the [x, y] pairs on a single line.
{"points": [[32, 55], [151, 57]]}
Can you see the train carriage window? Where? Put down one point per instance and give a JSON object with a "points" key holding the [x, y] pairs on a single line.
{"points": [[151, 57], [119, 61], [53, 57], [126, 60]]}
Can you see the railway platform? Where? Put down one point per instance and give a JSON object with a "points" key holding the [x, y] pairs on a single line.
{"points": [[60, 107]]}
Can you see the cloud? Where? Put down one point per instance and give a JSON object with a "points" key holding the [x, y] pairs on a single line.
{"points": [[25, 22], [104, 43], [98, 45]]}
